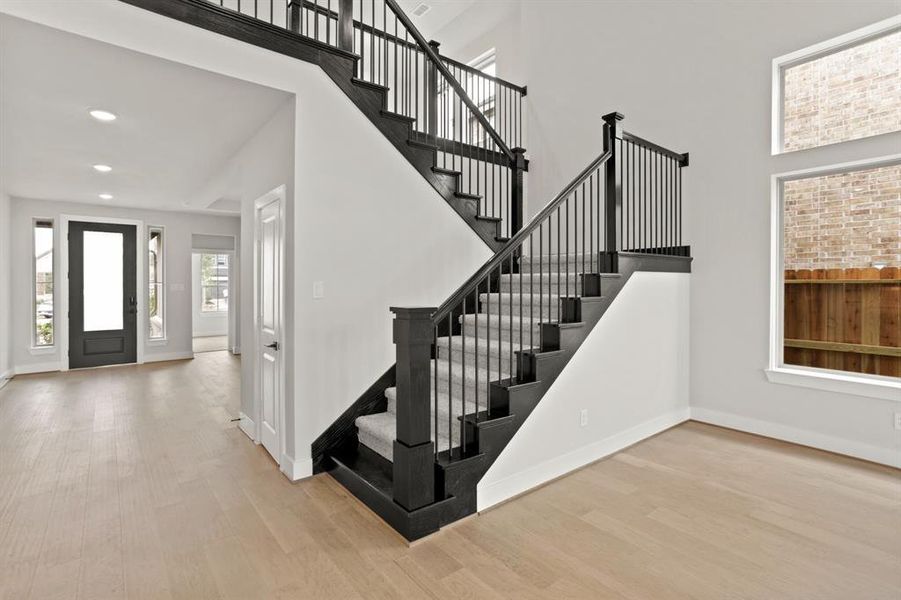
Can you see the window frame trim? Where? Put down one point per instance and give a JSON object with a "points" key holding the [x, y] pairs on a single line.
{"points": [[163, 339], [830, 46], [33, 347], [859, 384]]}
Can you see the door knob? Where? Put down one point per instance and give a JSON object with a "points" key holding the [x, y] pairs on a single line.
{"points": [[273, 345]]}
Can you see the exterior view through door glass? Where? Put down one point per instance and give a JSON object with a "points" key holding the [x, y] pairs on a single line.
{"points": [[102, 294]]}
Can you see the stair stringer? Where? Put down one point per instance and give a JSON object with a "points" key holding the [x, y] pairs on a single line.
{"points": [[516, 401]]}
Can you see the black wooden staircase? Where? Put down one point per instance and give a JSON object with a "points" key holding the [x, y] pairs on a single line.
{"points": [[469, 372]]}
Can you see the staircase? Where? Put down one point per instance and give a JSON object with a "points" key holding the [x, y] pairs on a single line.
{"points": [[469, 372]]}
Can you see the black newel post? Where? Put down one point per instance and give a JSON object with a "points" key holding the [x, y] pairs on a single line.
{"points": [[414, 452], [516, 192], [346, 25], [613, 193], [432, 100]]}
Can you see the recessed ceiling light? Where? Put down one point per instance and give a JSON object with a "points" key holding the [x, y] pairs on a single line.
{"points": [[421, 9], [103, 168], [106, 196], [103, 115]]}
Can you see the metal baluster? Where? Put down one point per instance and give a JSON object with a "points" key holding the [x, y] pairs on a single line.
{"points": [[450, 383], [463, 395], [435, 385], [531, 297], [591, 258]]}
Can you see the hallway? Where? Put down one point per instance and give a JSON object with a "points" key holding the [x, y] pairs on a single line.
{"points": [[132, 482]]}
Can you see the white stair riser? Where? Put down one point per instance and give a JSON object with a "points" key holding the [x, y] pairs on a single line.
{"points": [[505, 333], [587, 263], [548, 310]]}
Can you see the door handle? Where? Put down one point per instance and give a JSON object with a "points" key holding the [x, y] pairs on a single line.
{"points": [[273, 345]]}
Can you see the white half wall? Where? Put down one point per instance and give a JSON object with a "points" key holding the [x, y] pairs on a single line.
{"points": [[6, 366], [178, 228], [630, 374]]}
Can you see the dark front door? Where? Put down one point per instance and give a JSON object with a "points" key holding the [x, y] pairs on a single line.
{"points": [[102, 294]]}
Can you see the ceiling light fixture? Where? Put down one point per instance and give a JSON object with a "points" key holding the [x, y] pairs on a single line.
{"points": [[103, 168], [422, 9], [103, 115], [106, 196]]}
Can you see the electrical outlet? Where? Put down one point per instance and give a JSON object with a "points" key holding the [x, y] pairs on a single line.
{"points": [[583, 417], [897, 420], [318, 290]]}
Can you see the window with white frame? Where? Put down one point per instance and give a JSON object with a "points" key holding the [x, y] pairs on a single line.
{"points": [[838, 273], [213, 283], [156, 273], [844, 89], [42, 290]]}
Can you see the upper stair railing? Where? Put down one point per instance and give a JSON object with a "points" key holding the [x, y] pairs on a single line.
{"points": [[627, 199], [474, 121]]}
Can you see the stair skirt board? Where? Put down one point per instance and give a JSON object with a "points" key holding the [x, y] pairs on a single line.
{"points": [[363, 463]]}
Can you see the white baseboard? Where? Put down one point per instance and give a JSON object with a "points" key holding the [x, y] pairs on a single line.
{"points": [[249, 428], [541, 473], [46, 367], [296, 469], [165, 356], [786, 433]]}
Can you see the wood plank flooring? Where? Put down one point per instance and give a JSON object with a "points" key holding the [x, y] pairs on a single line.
{"points": [[133, 482]]}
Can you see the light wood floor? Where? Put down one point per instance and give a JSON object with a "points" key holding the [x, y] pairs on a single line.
{"points": [[133, 483]]}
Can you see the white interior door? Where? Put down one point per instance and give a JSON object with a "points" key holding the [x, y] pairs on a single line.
{"points": [[269, 363]]}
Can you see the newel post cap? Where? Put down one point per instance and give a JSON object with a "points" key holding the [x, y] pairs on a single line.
{"points": [[613, 118]]}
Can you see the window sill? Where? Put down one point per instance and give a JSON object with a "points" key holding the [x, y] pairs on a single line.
{"points": [[157, 341], [39, 350], [884, 388]]}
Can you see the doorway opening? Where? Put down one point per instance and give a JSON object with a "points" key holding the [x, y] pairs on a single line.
{"points": [[211, 284]]}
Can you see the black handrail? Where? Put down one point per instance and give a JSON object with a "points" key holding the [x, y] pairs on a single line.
{"points": [[439, 65], [509, 248], [682, 159]]}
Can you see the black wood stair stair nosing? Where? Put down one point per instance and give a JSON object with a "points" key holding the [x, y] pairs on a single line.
{"points": [[369, 84], [468, 196], [397, 116], [445, 171]]}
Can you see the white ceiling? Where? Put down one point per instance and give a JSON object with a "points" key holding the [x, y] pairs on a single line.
{"points": [[177, 125], [441, 14]]}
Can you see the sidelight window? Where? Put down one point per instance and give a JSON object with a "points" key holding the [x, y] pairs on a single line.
{"points": [[42, 276]]}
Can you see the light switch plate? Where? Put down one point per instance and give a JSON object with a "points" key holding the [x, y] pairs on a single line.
{"points": [[318, 290]]}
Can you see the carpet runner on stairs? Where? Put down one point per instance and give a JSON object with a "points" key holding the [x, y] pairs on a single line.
{"points": [[508, 322]]}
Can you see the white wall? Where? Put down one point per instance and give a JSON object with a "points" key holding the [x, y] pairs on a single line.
{"points": [[631, 374], [205, 324], [5, 291], [695, 76], [178, 227]]}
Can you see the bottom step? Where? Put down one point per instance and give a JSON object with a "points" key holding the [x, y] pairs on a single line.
{"points": [[370, 478]]}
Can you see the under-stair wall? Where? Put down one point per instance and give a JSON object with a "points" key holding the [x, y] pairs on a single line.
{"points": [[630, 375]]}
